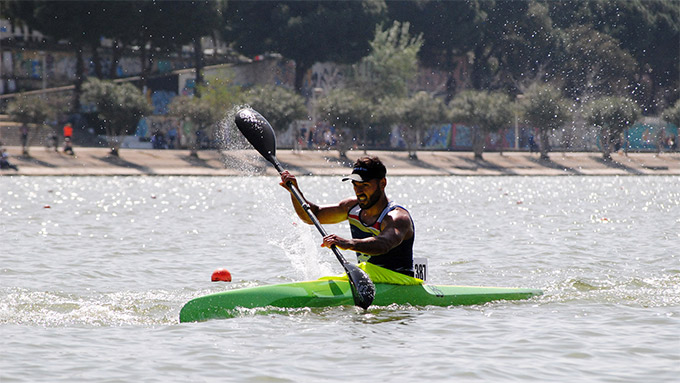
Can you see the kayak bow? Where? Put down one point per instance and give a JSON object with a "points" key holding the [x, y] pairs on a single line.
{"points": [[326, 293]]}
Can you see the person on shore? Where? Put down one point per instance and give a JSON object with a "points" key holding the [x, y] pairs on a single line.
{"points": [[54, 140], [382, 231], [4, 161], [68, 146]]}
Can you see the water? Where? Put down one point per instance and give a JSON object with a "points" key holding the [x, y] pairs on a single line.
{"points": [[94, 271]]}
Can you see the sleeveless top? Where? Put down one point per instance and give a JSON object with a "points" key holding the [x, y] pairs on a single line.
{"points": [[400, 258]]}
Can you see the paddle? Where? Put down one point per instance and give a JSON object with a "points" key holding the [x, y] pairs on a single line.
{"points": [[260, 134]]}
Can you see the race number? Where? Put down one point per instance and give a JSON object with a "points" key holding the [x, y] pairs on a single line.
{"points": [[420, 268]]}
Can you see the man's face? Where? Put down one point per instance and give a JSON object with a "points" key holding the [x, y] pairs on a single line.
{"points": [[368, 193]]}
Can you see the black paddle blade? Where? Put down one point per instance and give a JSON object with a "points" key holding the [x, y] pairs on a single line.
{"points": [[258, 132], [363, 289]]}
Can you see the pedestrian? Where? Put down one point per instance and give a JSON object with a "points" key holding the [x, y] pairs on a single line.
{"points": [[172, 136], [4, 161], [55, 140], [68, 146], [24, 139]]}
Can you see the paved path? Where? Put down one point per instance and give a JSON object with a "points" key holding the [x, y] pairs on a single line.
{"points": [[96, 161]]}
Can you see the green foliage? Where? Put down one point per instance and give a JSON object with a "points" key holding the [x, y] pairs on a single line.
{"points": [[594, 63], [489, 111], [279, 105], [672, 114], [197, 110], [612, 115], [305, 31], [28, 110], [220, 94], [544, 107], [416, 114], [392, 63], [484, 111], [118, 106], [346, 108], [616, 113]]}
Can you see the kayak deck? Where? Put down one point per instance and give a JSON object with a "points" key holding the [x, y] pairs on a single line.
{"points": [[326, 293]]}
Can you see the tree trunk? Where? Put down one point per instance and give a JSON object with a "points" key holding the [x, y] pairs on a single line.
{"points": [[300, 70], [198, 64], [545, 144], [117, 52], [146, 65], [25, 130], [97, 60], [606, 140], [450, 81], [416, 144], [78, 85], [478, 138]]}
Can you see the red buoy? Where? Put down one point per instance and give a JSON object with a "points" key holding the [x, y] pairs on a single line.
{"points": [[221, 275]]}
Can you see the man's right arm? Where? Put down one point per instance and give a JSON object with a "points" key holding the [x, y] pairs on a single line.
{"points": [[327, 214]]}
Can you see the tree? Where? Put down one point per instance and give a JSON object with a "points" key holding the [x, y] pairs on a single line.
{"points": [[118, 106], [279, 105], [305, 31], [81, 23], [391, 64], [672, 114], [28, 111], [546, 109], [416, 114], [612, 115], [218, 97], [484, 112], [346, 109], [196, 114], [648, 30], [449, 29], [594, 63]]}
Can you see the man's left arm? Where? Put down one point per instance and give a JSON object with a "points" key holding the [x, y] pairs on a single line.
{"points": [[396, 227]]}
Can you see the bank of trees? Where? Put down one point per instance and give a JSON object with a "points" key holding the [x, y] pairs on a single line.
{"points": [[586, 49]]}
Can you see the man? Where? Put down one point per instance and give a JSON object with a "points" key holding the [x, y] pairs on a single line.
{"points": [[382, 231]]}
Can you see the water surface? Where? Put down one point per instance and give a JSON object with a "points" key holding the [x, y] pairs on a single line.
{"points": [[94, 271]]}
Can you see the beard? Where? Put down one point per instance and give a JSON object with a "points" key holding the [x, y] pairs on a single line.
{"points": [[369, 202]]}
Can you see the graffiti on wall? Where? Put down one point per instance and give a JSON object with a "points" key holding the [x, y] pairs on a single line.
{"points": [[60, 66], [652, 136]]}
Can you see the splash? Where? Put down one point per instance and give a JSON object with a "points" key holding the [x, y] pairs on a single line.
{"points": [[236, 152], [59, 309]]}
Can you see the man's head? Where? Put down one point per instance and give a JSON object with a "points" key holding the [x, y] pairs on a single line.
{"points": [[366, 169], [368, 179]]}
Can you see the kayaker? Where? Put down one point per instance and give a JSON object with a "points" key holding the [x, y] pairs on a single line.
{"points": [[382, 231]]}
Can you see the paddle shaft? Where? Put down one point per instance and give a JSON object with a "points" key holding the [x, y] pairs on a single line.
{"points": [[298, 196]]}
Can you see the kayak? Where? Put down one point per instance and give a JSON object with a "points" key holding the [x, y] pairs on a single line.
{"points": [[327, 293]]}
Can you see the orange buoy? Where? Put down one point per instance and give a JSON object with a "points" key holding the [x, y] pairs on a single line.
{"points": [[221, 275]]}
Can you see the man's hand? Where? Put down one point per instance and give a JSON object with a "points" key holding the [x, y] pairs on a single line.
{"points": [[287, 177], [339, 242]]}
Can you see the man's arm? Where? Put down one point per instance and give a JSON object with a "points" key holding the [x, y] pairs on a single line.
{"points": [[395, 228], [327, 214]]}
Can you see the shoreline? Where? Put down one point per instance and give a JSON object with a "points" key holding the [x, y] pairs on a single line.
{"points": [[89, 161]]}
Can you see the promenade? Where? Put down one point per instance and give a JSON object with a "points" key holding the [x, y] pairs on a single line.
{"points": [[96, 161]]}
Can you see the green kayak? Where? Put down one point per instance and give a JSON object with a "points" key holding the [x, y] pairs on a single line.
{"points": [[325, 293]]}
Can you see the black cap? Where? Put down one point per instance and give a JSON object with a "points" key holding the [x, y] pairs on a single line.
{"points": [[364, 172]]}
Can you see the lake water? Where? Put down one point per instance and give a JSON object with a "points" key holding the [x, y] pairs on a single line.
{"points": [[94, 271]]}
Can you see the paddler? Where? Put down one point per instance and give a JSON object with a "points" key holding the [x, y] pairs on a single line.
{"points": [[382, 231]]}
